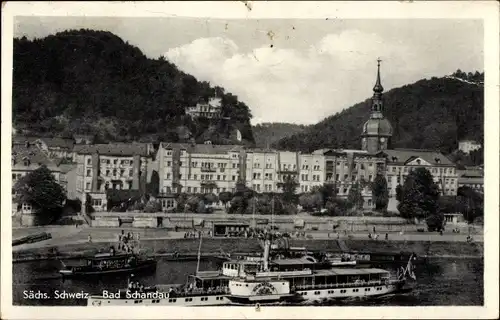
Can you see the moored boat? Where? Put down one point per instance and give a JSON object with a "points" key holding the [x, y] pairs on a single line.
{"points": [[109, 263]]}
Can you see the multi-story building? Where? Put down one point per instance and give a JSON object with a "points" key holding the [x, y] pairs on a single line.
{"points": [[200, 168], [400, 162], [26, 158], [211, 109], [472, 177], [311, 171], [343, 168], [467, 146], [262, 170], [110, 166]]}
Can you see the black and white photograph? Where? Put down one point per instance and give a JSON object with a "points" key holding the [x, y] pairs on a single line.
{"points": [[263, 163]]}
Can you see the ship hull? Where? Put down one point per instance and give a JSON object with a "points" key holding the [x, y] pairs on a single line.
{"points": [[323, 295], [192, 301], [144, 267], [301, 296]]}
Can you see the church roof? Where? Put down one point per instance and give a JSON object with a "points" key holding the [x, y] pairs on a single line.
{"points": [[379, 127], [403, 156]]}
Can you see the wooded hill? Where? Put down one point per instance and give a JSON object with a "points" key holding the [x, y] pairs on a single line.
{"points": [[429, 114], [268, 133], [92, 82]]}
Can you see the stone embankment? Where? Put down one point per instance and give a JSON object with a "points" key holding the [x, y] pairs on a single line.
{"points": [[211, 247]]}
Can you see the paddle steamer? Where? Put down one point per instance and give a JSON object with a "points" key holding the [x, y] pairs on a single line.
{"points": [[261, 280]]}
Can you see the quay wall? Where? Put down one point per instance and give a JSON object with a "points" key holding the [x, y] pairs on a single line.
{"points": [[214, 247], [284, 223]]}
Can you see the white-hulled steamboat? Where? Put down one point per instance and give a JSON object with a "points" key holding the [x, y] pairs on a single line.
{"points": [[265, 281]]}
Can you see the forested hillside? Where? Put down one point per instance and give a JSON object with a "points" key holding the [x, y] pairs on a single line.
{"points": [[267, 133], [428, 114], [92, 82]]}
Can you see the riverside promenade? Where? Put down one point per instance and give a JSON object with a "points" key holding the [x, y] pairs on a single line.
{"points": [[71, 235]]}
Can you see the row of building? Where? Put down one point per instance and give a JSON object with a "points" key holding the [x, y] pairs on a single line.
{"points": [[207, 168]]}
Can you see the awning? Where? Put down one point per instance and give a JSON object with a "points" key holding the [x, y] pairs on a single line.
{"points": [[198, 222], [299, 223]]}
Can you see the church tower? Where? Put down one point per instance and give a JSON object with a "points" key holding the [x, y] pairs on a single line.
{"points": [[377, 131]]}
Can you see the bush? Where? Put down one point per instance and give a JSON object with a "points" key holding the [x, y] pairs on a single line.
{"points": [[152, 206], [435, 222]]}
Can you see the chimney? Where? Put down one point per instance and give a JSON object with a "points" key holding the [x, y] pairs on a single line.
{"points": [[95, 171], [137, 170]]}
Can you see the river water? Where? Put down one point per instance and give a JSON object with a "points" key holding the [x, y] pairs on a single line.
{"points": [[440, 282]]}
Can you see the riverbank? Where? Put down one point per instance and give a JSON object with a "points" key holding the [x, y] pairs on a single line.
{"points": [[212, 247]]}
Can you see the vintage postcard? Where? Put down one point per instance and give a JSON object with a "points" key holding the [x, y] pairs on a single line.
{"points": [[250, 160]]}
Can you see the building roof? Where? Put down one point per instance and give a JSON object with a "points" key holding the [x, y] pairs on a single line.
{"points": [[203, 148], [19, 139], [35, 156], [403, 156], [470, 180], [471, 173], [67, 167], [114, 149], [58, 143]]}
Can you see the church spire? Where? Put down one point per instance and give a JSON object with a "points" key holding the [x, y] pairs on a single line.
{"points": [[377, 102], [378, 85]]}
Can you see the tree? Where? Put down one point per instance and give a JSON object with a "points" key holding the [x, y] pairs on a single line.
{"points": [[289, 186], [399, 193], [153, 187], [225, 197], [210, 198], [311, 201], [419, 196], [153, 206], [40, 189], [355, 198], [328, 192], [470, 203], [380, 193]]}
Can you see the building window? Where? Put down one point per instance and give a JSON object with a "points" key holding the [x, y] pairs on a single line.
{"points": [[89, 161], [169, 163], [189, 189], [26, 207], [114, 172], [195, 176], [87, 186], [96, 202], [88, 173]]}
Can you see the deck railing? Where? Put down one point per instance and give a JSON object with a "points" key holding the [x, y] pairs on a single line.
{"points": [[345, 285]]}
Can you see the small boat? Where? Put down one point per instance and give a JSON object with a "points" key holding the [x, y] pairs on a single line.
{"points": [[109, 263]]}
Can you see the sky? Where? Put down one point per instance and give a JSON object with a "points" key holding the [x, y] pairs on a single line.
{"points": [[290, 70]]}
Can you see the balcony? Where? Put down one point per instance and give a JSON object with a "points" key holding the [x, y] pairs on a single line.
{"points": [[206, 169], [287, 171], [208, 183]]}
